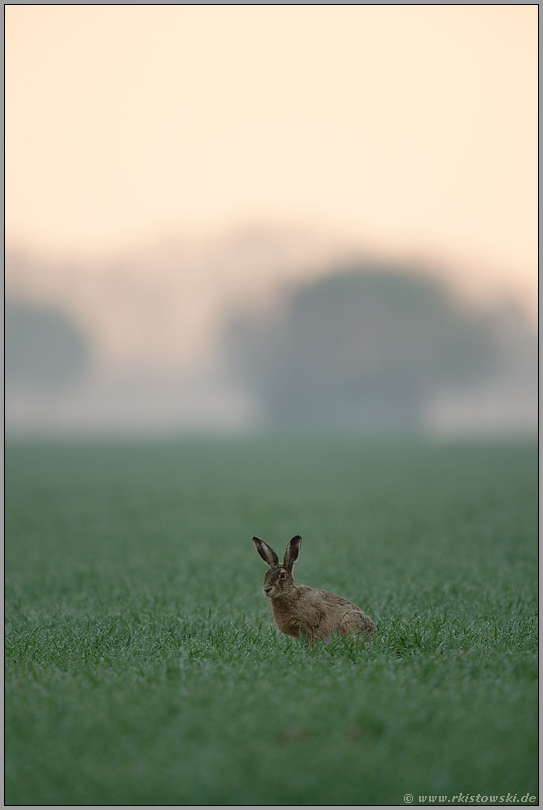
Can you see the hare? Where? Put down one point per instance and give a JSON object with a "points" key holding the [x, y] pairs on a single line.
{"points": [[300, 611]]}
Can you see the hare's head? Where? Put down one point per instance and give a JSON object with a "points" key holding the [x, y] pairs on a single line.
{"points": [[279, 579]]}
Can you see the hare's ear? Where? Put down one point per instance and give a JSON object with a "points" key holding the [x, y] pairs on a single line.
{"points": [[266, 552], [291, 554]]}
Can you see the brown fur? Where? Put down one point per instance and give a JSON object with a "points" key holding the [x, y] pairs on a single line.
{"points": [[300, 611]]}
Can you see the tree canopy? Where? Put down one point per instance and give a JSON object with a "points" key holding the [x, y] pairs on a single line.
{"points": [[43, 346], [361, 350]]}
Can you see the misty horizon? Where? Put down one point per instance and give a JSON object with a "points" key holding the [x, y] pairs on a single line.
{"points": [[155, 326]]}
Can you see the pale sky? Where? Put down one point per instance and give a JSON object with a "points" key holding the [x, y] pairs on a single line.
{"points": [[409, 128]]}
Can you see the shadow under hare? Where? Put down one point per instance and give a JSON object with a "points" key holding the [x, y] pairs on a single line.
{"points": [[303, 612]]}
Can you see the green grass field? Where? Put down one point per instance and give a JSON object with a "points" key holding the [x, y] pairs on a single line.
{"points": [[143, 666]]}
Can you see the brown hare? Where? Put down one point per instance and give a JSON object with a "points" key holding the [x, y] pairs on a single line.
{"points": [[303, 612]]}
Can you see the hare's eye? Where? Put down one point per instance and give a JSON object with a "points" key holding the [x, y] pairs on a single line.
{"points": [[282, 575]]}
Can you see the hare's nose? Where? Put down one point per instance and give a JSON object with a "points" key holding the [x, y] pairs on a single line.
{"points": [[267, 590]]}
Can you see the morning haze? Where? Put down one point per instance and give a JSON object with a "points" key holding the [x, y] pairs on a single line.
{"points": [[169, 175], [178, 341]]}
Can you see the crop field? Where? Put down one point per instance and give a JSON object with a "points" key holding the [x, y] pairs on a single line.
{"points": [[143, 666]]}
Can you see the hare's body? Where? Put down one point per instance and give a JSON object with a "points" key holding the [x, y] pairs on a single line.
{"points": [[311, 613], [300, 611]]}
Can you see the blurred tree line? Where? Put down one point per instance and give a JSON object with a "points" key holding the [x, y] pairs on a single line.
{"points": [[364, 349]]}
